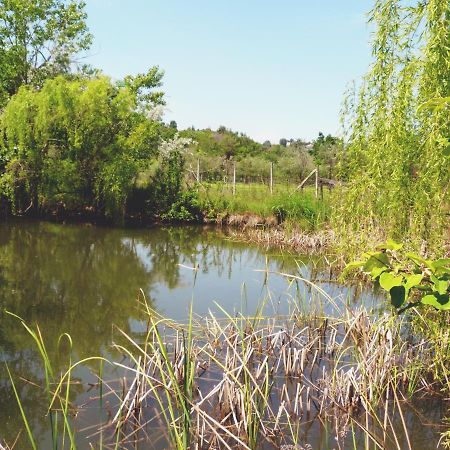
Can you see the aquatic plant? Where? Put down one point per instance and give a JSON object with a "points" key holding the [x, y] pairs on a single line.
{"points": [[246, 381]]}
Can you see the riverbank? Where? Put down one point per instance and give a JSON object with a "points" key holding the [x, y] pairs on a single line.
{"points": [[293, 240]]}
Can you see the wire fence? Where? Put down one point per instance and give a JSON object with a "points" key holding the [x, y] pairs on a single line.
{"points": [[236, 176]]}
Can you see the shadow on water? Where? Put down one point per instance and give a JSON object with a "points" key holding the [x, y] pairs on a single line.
{"points": [[82, 280]]}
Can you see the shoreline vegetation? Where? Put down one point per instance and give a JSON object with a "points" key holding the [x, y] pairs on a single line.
{"points": [[240, 382], [77, 145]]}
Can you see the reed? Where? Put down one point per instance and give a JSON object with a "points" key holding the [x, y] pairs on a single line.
{"points": [[57, 391], [246, 382], [262, 379]]}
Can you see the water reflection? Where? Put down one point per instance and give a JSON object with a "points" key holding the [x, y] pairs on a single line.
{"points": [[82, 280]]}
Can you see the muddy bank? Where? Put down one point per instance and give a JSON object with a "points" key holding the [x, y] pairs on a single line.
{"points": [[247, 220], [291, 240]]}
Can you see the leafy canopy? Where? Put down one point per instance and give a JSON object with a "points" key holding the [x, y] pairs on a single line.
{"points": [[80, 142], [38, 40]]}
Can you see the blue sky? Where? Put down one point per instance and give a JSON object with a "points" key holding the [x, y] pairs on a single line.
{"points": [[268, 68]]}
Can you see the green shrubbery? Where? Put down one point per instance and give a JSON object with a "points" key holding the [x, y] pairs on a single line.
{"points": [[410, 279], [186, 208], [80, 144]]}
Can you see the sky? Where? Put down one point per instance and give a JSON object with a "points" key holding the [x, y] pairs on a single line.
{"points": [[269, 68]]}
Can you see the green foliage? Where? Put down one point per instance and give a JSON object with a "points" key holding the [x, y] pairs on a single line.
{"points": [[79, 143], [219, 151], [38, 39], [223, 142], [187, 208], [408, 278], [167, 183], [396, 131], [324, 152]]}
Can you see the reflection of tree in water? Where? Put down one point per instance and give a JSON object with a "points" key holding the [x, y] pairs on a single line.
{"points": [[82, 280], [67, 279]]}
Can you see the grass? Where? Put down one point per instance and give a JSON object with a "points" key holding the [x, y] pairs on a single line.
{"points": [[57, 390], [244, 382], [255, 198]]}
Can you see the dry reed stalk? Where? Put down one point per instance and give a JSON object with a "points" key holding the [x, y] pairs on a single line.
{"points": [[296, 241], [270, 373]]}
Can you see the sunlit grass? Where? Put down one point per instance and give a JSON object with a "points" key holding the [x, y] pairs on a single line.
{"points": [[287, 203]]}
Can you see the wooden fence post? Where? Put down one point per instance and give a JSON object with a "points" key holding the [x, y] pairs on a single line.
{"points": [[317, 182], [271, 177]]}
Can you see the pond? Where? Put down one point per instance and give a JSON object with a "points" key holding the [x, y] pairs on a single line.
{"points": [[85, 281]]}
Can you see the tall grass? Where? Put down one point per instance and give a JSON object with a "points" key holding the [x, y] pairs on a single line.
{"points": [[247, 382], [57, 390], [286, 203]]}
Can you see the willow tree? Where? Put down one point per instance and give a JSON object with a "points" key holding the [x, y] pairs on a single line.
{"points": [[397, 127], [78, 143], [39, 39]]}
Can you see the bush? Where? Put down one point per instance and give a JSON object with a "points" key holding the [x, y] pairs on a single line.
{"points": [[186, 208]]}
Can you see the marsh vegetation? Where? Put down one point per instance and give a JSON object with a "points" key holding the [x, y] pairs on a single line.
{"points": [[189, 337]]}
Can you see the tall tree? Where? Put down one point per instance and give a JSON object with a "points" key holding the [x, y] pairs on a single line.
{"points": [[38, 40], [78, 142], [397, 130]]}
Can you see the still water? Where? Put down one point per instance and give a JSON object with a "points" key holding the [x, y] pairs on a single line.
{"points": [[85, 281]]}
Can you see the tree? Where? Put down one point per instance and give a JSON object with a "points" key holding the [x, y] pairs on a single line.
{"points": [[397, 181], [283, 142], [324, 152], [38, 40], [173, 125], [81, 142]]}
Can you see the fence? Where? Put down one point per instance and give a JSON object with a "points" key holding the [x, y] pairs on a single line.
{"points": [[234, 176]]}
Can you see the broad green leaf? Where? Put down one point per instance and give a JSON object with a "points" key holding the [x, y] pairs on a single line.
{"points": [[398, 295], [440, 286], [441, 302], [443, 262], [388, 281], [413, 280], [376, 260], [377, 271], [391, 245], [417, 259]]}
